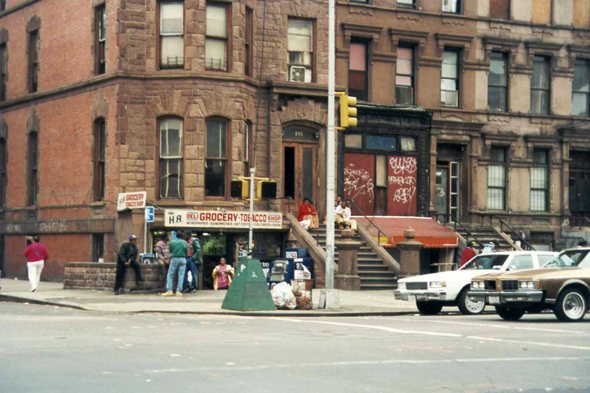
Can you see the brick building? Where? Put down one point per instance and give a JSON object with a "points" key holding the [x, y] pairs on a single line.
{"points": [[507, 82], [172, 97]]}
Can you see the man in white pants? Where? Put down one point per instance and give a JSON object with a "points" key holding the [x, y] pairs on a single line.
{"points": [[343, 217], [36, 254]]}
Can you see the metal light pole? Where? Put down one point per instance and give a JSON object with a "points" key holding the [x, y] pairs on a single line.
{"points": [[330, 298], [251, 227]]}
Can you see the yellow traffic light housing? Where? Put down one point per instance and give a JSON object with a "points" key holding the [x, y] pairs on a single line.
{"points": [[348, 111]]}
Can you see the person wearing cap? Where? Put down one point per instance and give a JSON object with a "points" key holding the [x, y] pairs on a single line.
{"points": [[468, 253], [127, 257]]}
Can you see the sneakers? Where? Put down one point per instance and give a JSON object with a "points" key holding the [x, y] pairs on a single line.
{"points": [[169, 293], [33, 290], [178, 294]]}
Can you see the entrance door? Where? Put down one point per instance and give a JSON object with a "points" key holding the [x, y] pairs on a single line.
{"points": [[447, 191], [299, 173]]}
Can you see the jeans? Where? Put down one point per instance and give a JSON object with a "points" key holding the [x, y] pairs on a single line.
{"points": [[35, 269], [120, 277], [176, 264], [191, 266]]}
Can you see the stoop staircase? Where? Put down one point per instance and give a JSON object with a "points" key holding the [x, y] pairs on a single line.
{"points": [[484, 235], [375, 274]]}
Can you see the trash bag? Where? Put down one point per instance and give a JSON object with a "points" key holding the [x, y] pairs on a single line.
{"points": [[282, 296]]}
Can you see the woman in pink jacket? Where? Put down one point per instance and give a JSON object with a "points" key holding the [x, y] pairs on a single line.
{"points": [[36, 254]]}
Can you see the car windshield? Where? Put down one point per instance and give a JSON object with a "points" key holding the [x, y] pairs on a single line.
{"points": [[572, 258], [486, 261]]}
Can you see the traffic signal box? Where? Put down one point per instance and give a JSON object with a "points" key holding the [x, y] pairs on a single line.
{"points": [[265, 189], [240, 189], [348, 112]]}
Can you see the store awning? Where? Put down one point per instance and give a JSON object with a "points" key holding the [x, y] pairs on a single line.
{"points": [[428, 231]]}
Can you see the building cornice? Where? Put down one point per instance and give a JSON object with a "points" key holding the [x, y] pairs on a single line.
{"points": [[18, 7]]}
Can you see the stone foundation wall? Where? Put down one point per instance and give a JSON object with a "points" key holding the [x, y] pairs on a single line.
{"points": [[101, 276]]}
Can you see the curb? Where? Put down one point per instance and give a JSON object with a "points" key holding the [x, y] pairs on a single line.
{"points": [[16, 299]]}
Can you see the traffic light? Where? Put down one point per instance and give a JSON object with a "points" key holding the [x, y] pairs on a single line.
{"points": [[267, 190], [348, 111], [240, 189]]}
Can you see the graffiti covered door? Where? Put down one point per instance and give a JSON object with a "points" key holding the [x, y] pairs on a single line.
{"points": [[402, 186], [359, 174]]}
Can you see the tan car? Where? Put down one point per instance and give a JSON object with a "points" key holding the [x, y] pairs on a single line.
{"points": [[562, 285]]}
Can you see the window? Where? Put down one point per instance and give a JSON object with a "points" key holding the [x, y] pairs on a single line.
{"points": [[100, 32], [498, 83], [381, 142], [540, 180], [3, 71], [3, 172], [499, 9], [171, 34], [449, 85], [581, 89], [582, 13], [300, 47], [521, 262], [381, 169], [216, 162], [217, 41], [171, 159], [408, 144], [247, 148], [32, 168], [453, 6], [248, 41], [99, 160], [542, 11], [411, 4], [97, 247], [357, 73], [540, 86], [3, 5], [353, 141], [33, 61], [497, 179], [404, 78]]}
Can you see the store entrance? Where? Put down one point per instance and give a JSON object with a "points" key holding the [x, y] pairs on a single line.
{"points": [[216, 246]]}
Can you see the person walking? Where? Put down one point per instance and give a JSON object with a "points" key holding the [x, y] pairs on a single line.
{"points": [[178, 254], [36, 254], [194, 253], [127, 257], [468, 253]]}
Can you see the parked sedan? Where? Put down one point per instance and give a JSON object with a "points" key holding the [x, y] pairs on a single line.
{"points": [[432, 292], [562, 285]]}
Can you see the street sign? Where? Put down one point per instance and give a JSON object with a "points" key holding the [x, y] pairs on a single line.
{"points": [[149, 214]]}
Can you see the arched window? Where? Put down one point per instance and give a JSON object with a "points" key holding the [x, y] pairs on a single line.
{"points": [[32, 168], [99, 160], [216, 163], [171, 158], [3, 172]]}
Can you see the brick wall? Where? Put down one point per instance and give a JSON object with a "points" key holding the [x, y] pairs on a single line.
{"points": [[102, 276]]}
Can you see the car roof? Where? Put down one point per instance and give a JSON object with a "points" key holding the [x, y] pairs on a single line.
{"points": [[521, 252]]}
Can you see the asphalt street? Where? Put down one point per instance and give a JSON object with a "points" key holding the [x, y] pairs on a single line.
{"points": [[49, 349]]}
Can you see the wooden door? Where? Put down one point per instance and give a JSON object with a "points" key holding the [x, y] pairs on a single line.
{"points": [[300, 173]]}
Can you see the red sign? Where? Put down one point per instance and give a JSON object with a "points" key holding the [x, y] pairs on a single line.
{"points": [[359, 183], [402, 184]]}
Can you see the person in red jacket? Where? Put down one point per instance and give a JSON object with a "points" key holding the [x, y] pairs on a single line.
{"points": [[307, 212], [468, 253], [36, 254]]}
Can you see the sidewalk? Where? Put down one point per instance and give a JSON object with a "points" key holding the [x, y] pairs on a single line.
{"points": [[203, 302]]}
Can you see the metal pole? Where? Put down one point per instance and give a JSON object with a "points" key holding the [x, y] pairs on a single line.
{"points": [[144, 231], [251, 227]]}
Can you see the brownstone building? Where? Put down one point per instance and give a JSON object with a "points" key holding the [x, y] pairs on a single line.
{"points": [[507, 82], [175, 98]]}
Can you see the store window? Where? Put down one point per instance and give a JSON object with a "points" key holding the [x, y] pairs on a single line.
{"points": [[449, 88], [171, 34], [581, 89], [33, 61], [358, 77], [171, 158], [408, 144], [497, 179], [540, 88], [3, 172], [216, 161], [32, 168], [353, 141], [248, 41], [217, 40], [404, 78], [381, 142], [499, 9], [99, 159], [300, 50], [3, 71], [100, 33], [540, 180], [452, 6], [498, 82]]}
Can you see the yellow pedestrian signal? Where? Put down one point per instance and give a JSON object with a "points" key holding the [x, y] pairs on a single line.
{"points": [[348, 111]]}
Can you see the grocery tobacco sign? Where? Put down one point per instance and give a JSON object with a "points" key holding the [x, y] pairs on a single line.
{"points": [[217, 219]]}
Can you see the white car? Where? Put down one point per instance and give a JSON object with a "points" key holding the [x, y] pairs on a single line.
{"points": [[434, 291]]}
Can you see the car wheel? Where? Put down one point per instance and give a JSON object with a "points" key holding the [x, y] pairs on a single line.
{"points": [[429, 308], [571, 305], [467, 307], [509, 314]]}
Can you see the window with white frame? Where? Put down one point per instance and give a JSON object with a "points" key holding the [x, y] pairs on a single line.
{"points": [[497, 179], [171, 34], [540, 180], [453, 6], [540, 86], [217, 41], [498, 82], [449, 85], [100, 33], [171, 158], [581, 89], [300, 50], [404, 78]]}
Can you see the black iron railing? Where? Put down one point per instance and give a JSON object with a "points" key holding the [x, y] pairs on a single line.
{"points": [[451, 219], [379, 230], [524, 244], [577, 221]]}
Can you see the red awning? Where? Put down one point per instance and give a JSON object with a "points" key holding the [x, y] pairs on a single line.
{"points": [[428, 231]]}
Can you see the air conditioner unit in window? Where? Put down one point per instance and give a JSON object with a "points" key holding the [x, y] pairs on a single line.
{"points": [[299, 74]]}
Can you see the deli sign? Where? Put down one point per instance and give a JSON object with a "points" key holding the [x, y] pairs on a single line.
{"points": [[218, 219], [131, 200]]}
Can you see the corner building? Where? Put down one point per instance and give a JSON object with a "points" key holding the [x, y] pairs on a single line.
{"points": [[507, 83], [175, 98]]}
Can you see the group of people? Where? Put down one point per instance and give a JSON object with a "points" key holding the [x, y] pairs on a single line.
{"points": [[308, 215], [469, 252]]}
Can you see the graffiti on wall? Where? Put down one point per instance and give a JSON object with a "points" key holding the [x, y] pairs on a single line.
{"points": [[358, 182], [402, 180]]}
